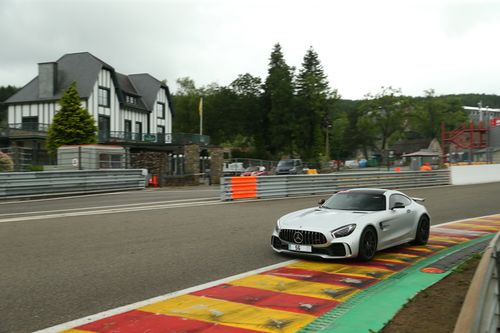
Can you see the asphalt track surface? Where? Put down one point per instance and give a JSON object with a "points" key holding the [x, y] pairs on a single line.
{"points": [[61, 267]]}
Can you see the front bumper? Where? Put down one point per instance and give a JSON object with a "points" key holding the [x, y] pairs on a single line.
{"points": [[337, 250]]}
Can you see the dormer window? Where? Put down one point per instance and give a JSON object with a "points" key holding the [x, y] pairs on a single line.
{"points": [[130, 99]]}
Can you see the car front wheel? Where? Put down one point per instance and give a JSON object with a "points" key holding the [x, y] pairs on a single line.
{"points": [[367, 244], [423, 229]]}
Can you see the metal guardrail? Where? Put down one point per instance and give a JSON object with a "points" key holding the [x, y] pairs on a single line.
{"points": [[290, 185], [46, 183], [480, 310]]}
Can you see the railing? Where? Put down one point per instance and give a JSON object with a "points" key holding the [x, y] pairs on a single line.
{"points": [[25, 130], [32, 127], [480, 309], [39, 129], [46, 183], [290, 185]]}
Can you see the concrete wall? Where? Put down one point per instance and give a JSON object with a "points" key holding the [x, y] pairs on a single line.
{"points": [[475, 174]]}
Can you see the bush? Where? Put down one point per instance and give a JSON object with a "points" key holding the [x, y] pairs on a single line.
{"points": [[6, 163]]}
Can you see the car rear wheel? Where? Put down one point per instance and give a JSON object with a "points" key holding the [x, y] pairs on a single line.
{"points": [[367, 244], [423, 230]]}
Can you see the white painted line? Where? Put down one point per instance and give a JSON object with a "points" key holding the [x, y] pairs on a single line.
{"points": [[66, 196], [112, 312], [109, 211], [113, 206]]}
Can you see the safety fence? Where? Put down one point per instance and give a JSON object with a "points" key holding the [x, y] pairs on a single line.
{"points": [[46, 183], [480, 310], [291, 185]]}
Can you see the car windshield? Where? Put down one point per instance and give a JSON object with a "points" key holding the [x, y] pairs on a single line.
{"points": [[285, 163], [356, 201], [252, 168]]}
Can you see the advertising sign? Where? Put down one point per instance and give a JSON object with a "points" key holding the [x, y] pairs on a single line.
{"points": [[495, 122]]}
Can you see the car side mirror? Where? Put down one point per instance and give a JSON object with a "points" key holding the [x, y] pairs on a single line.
{"points": [[321, 202], [398, 205]]}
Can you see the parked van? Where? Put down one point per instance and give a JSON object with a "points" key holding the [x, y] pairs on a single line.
{"points": [[290, 167]]}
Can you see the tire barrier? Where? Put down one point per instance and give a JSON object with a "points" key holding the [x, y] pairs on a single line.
{"points": [[480, 310], [291, 185]]}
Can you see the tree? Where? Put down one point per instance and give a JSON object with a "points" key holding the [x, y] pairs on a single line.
{"points": [[314, 99], [278, 105], [72, 124], [430, 111], [248, 95], [186, 101], [384, 118]]}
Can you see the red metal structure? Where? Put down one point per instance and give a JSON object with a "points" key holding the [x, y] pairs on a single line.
{"points": [[468, 136]]}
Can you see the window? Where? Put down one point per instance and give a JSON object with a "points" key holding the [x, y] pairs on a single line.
{"points": [[160, 133], [138, 131], [160, 109], [103, 97], [130, 99], [399, 198], [128, 129], [110, 161], [30, 123], [104, 126]]}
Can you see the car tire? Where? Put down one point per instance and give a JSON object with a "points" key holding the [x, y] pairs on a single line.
{"points": [[367, 244], [423, 230]]}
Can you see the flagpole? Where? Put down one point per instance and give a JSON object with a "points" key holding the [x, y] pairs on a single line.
{"points": [[200, 111]]}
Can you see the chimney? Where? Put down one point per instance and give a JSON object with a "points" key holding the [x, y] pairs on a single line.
{"points": [[47, 79]]}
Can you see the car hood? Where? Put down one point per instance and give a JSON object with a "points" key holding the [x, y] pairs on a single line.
{"points": [[322, 219]]}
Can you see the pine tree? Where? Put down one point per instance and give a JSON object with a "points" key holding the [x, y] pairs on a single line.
{"points": [[278, 105], [72, 124], [313, 95]]}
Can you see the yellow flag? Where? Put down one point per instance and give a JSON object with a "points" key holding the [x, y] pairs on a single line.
{"points": [[200, 107]]}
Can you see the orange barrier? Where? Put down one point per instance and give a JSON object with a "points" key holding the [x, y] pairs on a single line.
{"points": [[244, 187], [153, 181]]}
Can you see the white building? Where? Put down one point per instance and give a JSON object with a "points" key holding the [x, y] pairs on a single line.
{"points": [[127, 108]]}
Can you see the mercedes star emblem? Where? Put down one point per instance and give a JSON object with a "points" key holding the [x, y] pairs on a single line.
{"points": [[298, 237]]}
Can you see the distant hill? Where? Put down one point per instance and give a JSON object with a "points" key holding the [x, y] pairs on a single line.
{"points": [[492, 101]]}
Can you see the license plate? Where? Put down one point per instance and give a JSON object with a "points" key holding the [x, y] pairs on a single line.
{"points": [[300, 248]]}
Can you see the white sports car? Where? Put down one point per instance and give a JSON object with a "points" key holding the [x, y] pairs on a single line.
{"points": [[353, 223]]}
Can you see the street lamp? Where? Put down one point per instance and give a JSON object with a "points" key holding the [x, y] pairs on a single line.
{"points": [[327, 141]]}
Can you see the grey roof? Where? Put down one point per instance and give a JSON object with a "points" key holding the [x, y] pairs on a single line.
{"points": [[147, 86], [84, 68]]}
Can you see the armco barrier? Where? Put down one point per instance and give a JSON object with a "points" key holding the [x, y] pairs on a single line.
{"points": [[33, 184], [291, 185], [480, 309]]}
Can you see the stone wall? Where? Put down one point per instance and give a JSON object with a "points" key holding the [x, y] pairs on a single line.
{"points": [[216, 164], [160, 164]]}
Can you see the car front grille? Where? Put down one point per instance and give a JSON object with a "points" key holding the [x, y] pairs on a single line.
{"points": [[306, 237]]}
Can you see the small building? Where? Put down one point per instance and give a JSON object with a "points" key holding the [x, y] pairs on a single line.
{"points": [[417, 159], [91, 157]]}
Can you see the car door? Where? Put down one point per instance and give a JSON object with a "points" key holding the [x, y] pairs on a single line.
{"points": [[397, 226]]}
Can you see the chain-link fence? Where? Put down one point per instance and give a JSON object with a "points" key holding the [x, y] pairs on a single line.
{"points": [[28, 159]]}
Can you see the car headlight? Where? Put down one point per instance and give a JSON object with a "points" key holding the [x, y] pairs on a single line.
{"points": [[277, 227], [343, 231]]}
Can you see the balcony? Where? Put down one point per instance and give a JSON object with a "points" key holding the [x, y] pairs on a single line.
{"points": [[25, 131], [38, 130], [152, 139]]}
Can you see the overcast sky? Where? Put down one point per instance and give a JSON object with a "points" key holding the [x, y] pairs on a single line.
{"points": [[451, 46]]}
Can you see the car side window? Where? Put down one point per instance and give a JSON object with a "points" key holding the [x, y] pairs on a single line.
{"points": [[398, 198]]}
